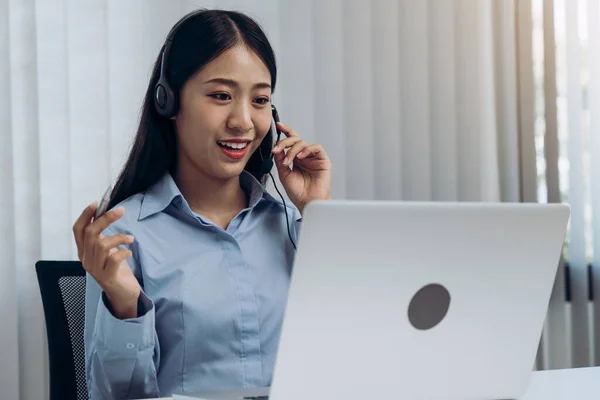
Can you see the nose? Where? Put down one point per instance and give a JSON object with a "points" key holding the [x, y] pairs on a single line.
{"points": [[240, 118]]}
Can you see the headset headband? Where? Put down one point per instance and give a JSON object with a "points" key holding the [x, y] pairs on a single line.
{"points": [[165, 100]]}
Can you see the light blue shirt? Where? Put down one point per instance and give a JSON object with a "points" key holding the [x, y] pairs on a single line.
{"points": [[212, 299]]}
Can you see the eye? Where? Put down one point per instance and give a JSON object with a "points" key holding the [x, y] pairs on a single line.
{"points": [[220, 96], [262, 100]]}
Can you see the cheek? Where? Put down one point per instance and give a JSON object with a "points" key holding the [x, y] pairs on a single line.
{"points": [[197, 124], [263, 126]]}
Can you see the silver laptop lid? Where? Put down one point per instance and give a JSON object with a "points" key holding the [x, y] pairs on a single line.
{"points": [[348, 333]]}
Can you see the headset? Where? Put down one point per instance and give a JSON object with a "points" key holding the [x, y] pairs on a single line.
{"points": [[166, 103]]}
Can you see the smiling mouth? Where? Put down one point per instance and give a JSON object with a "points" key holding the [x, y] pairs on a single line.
{"points": [[234, 150], [233, 145]]}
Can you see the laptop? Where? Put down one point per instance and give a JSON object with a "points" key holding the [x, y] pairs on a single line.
{"points": [[415, 300]]}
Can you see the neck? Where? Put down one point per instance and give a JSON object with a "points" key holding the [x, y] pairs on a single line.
{"points": [[208, 195]]}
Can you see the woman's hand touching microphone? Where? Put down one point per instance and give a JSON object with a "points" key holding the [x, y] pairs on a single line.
{"points": [[105, 263], [310, 177]]}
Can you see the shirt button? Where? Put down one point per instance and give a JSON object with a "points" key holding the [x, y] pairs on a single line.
{"points": [[130, 346]]}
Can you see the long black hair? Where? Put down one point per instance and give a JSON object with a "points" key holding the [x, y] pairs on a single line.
{"points": [[198, 41]]}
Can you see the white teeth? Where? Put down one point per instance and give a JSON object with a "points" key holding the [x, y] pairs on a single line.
{"points": [[237, 146]]}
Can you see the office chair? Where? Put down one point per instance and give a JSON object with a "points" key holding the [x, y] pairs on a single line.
{"points": [[62, 286]]}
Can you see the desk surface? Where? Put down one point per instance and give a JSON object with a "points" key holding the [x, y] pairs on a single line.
{"points": [[565, 384], [561, 384]]}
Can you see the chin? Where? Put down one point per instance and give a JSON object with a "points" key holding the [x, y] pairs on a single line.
{"points": [[230, 171], [225, 168]]}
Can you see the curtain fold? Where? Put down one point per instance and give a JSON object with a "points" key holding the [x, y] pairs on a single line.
{"points": [[593, 35], [9, 379]]}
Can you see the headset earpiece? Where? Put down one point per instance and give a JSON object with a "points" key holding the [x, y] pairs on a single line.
{"points": [[267, 163], [165, 101]]}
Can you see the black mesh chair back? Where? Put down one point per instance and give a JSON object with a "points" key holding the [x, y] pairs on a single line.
{"points": [[62, 286]]}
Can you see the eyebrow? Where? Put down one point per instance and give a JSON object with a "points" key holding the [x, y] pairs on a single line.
{"points": [[231, 82]]}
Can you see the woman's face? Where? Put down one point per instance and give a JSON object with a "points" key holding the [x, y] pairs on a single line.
{"points": [[225, 113]]}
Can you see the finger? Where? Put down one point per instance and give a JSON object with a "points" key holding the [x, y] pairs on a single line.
{"points": [[286, 130], [291, 154], [115, 259], [93, 231], [285, 143], [79, 226], [282, 170], [99, 225], [105, 245], [95, 258], [312, 150]]}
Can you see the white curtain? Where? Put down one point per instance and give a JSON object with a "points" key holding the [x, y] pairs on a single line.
{"points": [[413, 100], [570, 92]]}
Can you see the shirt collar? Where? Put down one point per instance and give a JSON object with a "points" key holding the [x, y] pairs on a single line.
{"points": [[160, 195]]}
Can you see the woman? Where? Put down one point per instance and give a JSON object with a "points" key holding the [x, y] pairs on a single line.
{"points": [[188, 273]]}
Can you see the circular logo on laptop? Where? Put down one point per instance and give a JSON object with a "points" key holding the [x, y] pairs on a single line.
{"points": [[429, 306]]}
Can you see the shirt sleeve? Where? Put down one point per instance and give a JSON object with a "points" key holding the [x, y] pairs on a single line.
{"points": [[122, 356]]}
